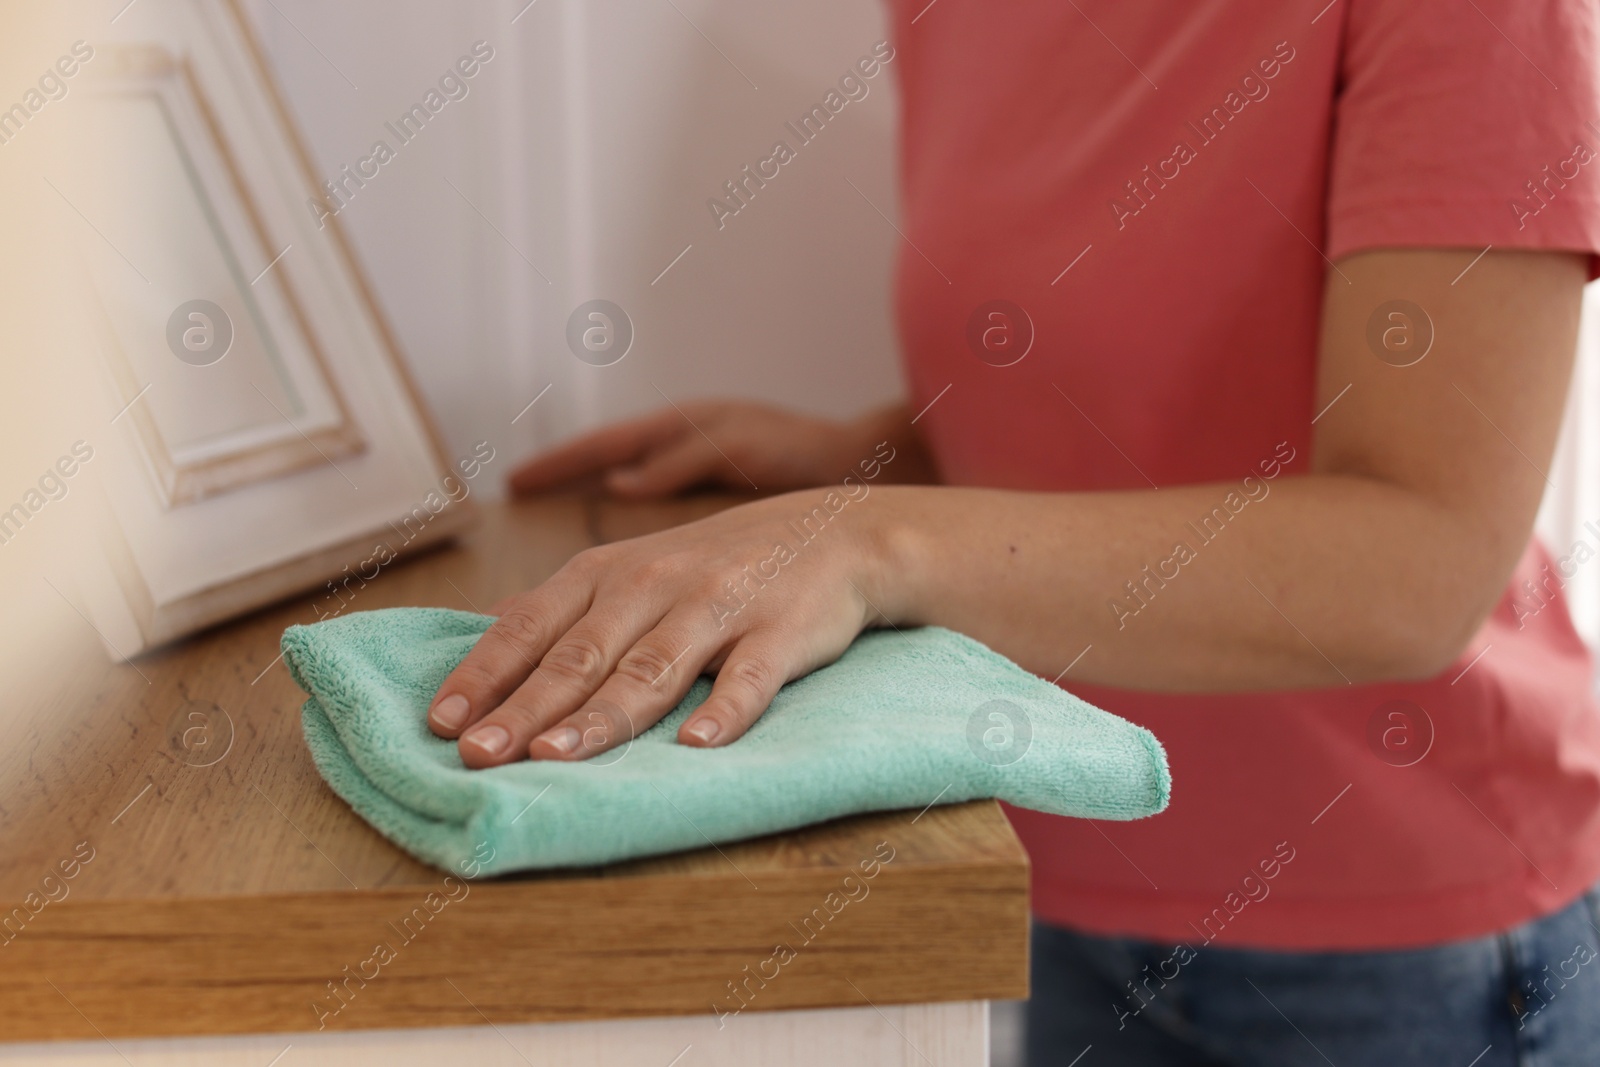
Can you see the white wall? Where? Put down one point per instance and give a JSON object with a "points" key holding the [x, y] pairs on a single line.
{"points": [[591, 142], [1571, 510]]}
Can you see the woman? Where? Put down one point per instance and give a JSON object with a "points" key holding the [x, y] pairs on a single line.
{"points": [[1237, 336]]}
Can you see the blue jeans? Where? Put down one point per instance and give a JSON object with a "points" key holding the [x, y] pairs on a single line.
{"points": [[1529, 996]]}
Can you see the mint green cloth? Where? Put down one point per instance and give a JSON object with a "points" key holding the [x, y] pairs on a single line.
{"points": [[902, 720]]}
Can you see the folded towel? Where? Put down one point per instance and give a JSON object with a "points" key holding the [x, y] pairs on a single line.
{"points": [[902, 720]]}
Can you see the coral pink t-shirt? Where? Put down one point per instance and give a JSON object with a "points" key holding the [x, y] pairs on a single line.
{"points": [[1156, 186]]}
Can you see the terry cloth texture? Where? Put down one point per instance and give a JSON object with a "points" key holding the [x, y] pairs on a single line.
{"points": [[901, 720]]}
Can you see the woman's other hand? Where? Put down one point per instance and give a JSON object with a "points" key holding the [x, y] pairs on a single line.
{"points": [[727, 444]]}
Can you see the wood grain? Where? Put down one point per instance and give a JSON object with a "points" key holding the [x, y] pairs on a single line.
{"points": [[228, 886]]}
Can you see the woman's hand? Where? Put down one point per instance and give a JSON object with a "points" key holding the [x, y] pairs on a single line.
{"points": [[758, 594], [741, 446]]}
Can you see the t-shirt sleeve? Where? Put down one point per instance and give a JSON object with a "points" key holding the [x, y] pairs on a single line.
{"points": [[1467, 123]]}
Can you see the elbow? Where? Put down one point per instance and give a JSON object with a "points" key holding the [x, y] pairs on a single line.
{"points": [[1424, 607], [1423, 660], [1416, 644]]}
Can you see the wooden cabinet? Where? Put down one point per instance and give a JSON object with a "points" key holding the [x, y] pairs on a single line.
{"points": [[174, 868]]}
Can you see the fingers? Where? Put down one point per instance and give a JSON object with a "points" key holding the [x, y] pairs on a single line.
{"points": [[745, 686], [595, 452], [679, 465], [508, 652], [648, 682], [570, 672]]}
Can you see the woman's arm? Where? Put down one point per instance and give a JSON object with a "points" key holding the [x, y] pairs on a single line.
{"points": [[1378, 564]]}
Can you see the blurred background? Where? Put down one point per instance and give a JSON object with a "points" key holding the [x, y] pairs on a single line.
{"points": [[579, 165], [582, 161]]}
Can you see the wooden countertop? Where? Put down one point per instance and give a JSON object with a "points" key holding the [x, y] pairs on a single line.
{"points": [[226, 887]]}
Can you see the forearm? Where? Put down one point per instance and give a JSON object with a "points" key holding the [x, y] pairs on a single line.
{"points": [[1378, 565], [1306, 581]]}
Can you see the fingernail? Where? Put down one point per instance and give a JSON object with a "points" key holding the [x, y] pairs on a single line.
{"points": [[704, 729], [564, 740], [491, 739], [451, 712]]}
